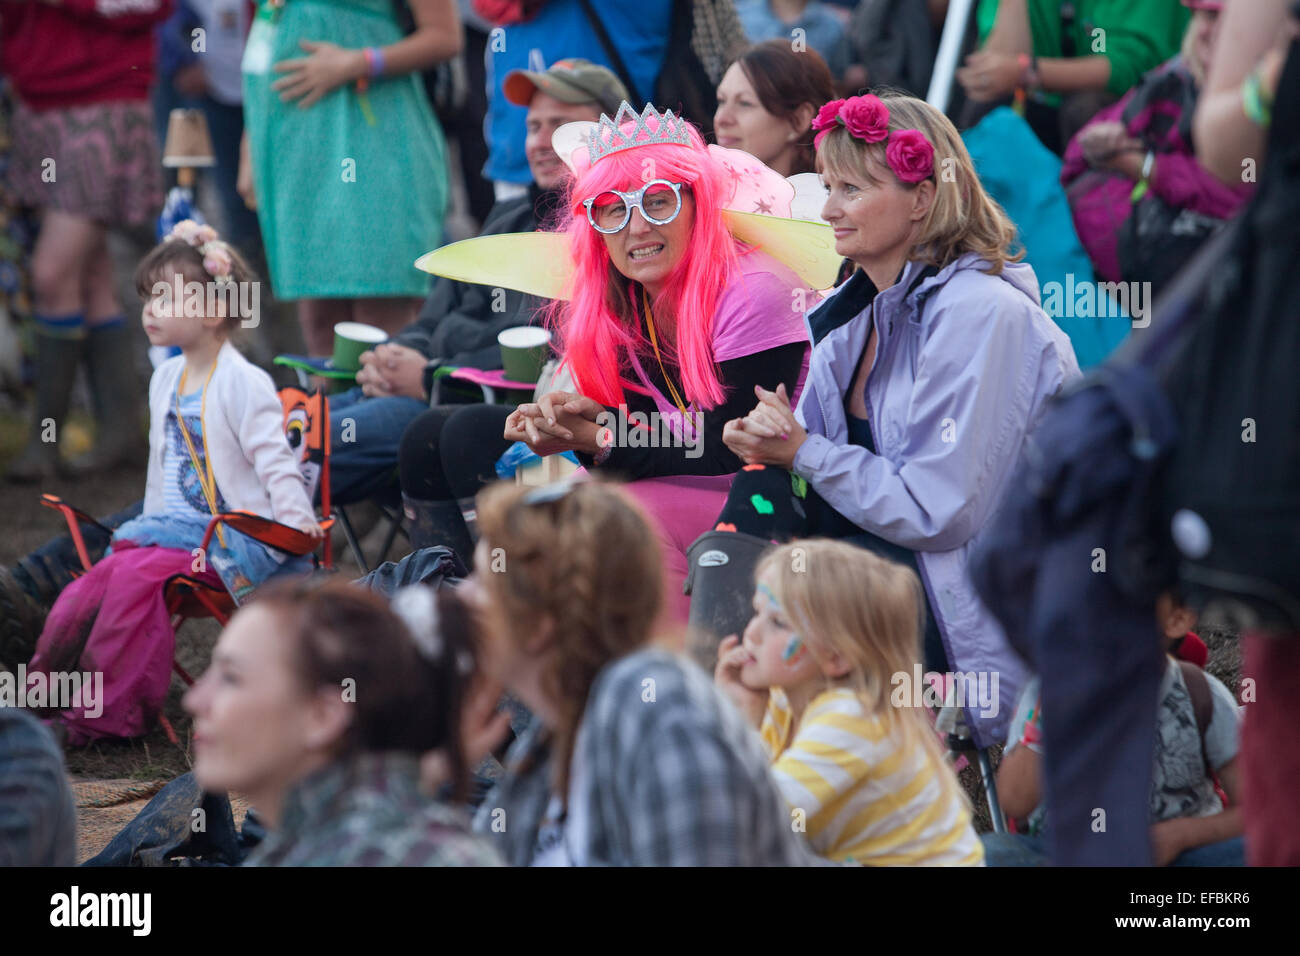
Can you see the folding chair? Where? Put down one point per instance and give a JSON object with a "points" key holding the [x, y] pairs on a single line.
{"points": [[306, 426]]}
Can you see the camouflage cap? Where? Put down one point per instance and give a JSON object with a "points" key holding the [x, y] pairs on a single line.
{"points": [[569, 81]]}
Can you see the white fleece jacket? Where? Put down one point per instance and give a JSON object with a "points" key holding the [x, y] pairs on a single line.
{"points": [[244, 424]]}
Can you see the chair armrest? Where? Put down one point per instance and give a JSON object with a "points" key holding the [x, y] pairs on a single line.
{"points": [[271, 533], [75, 517]]}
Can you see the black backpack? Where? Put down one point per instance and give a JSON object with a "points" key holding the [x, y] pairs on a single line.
{"points": [[1232, 492]]}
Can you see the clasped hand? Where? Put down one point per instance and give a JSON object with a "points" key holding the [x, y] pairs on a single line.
{"points": [[770, 434], [392, 369], [557, 422]]}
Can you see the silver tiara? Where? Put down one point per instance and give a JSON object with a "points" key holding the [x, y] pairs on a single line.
{"points": [[608, 136]]}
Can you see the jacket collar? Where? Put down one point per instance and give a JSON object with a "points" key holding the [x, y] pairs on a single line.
{"points": [[917, 281]]}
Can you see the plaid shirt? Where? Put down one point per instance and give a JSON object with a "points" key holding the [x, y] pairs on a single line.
{"points": [[675, 777], [369, 811], [38, 822]]}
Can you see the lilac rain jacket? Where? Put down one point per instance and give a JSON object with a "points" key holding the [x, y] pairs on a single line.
{"points": [[964, 365]]}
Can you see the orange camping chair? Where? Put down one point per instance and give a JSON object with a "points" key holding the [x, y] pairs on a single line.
{"points": [[306, 426]]}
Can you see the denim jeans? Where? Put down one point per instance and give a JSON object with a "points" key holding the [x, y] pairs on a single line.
{"points": [[365, 435]]}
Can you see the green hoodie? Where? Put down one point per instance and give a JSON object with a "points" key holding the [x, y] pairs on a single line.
{"points": [[1134, 36]]}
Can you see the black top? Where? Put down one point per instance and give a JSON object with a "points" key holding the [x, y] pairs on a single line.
{"points": [[738, 377]]}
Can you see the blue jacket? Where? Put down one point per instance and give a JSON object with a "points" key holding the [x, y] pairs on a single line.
{"points": [[965, 363]]}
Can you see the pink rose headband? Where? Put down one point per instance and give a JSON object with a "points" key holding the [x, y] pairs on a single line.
{"points": [[216, 254], [909, 154]]}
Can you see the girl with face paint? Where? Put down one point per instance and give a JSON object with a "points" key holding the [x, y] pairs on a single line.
{"points": [[835, 631]]}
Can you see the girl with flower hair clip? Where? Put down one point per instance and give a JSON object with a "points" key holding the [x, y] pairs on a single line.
{"points": [[932, 364], [216, 444]]}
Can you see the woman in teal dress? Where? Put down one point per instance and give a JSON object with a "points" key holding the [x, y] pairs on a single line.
{"points": [[345, 160]]}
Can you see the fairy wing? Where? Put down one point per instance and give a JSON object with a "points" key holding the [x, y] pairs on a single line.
{"points": [[536, 263], [808, 248]]}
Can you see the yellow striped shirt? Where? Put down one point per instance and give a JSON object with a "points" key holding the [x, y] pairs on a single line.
{"points": [[858, 794]]}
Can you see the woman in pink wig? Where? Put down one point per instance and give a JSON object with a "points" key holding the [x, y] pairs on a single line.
{"points": [[671, 323]]}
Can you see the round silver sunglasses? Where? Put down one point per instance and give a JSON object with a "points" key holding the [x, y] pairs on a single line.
{"points": [[610, 212]]}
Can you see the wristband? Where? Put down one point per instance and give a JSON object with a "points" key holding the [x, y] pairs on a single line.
{"points": [[606, 440], [1028, 71], [374, 60]]}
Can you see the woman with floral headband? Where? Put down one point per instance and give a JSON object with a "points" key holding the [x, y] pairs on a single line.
{"points": [[933, 363], [671, 321], [216, 444]]}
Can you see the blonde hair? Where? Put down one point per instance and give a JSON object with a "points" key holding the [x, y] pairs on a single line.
{"points": [[963, 217], [588, 563], [868, 610]]}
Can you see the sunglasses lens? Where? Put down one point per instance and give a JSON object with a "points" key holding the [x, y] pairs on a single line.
{"points": [[660, 203], [609, 211]]}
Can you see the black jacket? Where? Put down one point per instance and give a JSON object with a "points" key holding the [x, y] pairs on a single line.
{"points": [[457, 324]]}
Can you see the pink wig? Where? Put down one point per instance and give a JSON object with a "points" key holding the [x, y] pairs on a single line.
{"points": [[600, 322]]}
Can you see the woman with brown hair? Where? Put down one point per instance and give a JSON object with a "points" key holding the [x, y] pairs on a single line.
{"points": [[766, 102], [632, 757], [318, 705]]}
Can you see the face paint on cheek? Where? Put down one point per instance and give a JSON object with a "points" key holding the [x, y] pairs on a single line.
{"points": [[794, 650]]}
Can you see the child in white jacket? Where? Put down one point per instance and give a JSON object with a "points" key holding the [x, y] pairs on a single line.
{"points": [[216, 444]]}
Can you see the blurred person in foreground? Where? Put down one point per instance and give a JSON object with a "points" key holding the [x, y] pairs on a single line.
{"points": [[319, 704]]}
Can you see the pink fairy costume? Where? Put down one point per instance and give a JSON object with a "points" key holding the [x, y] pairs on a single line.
{"points": [[737, 313]]}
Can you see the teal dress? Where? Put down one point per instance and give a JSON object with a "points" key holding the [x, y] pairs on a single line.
{"points": [[352, 190]]}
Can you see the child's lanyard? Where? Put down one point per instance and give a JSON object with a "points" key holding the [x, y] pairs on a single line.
{"points": [[208, 483], [654, 343]]}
